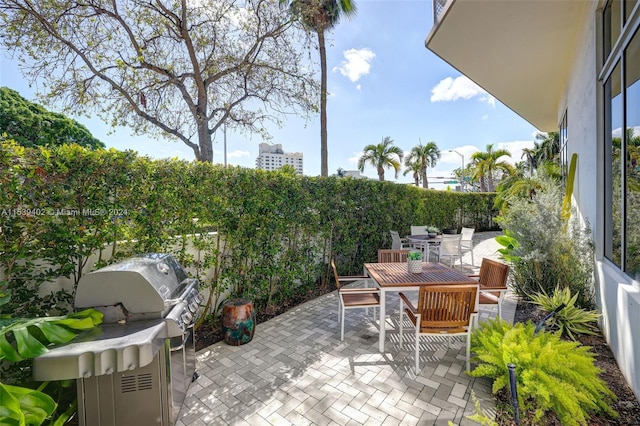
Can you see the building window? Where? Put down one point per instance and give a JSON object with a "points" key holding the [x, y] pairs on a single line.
{"points": [[563, 138], [621, 96]]}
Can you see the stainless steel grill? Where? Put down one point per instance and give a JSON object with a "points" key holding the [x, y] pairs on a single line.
{"points": [[136, 368]]}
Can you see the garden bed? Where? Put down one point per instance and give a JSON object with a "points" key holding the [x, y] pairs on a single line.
{"points": [[627, 406]]}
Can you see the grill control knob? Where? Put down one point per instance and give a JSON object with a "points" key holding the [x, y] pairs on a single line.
{"points": [[186, 317], [193, 306]]}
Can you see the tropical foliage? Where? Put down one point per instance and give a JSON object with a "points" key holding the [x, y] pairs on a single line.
{"points": [[570, 320], [488, 169], [320, 16], [546, 250], [173, 69], [382, 156], [423, 156], [22, 339], [32, 125], [552, 375]]}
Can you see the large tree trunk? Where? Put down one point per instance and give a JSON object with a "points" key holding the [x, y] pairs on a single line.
{"points": [[381, 173], [425, 184], [204, 142], [324, 154]]}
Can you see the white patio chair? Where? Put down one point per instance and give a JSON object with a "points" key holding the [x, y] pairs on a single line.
{"points": [[449, 248], [398, 243], [419, 230], [466, 241]]}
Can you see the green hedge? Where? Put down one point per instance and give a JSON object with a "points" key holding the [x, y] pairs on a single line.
{"points": [[64, 203]]}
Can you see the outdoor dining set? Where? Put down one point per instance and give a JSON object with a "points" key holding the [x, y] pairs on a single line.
{"points": [[447, 298]]}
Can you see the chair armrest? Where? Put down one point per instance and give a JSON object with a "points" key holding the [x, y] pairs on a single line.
{"points": [[501, 289], [360, 290], [474, 276], [354, 278], [408, 303]]}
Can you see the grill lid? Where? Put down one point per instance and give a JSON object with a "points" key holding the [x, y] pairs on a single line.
{"points": [[144, 284]]}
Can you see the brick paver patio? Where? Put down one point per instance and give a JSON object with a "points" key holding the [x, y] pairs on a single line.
{"points": [[296, 371]]}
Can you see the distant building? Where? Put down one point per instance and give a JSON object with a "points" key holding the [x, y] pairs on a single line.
{"points": [[354, 174], [272, 157]]}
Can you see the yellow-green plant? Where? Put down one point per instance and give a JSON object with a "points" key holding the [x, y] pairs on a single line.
{"points": [[570, 320], [553, 375]]}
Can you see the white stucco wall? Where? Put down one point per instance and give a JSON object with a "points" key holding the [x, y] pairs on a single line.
{"points": [[618, 297]]}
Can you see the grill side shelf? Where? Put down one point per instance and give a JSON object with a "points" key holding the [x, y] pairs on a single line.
{"points": [[115, 348]]}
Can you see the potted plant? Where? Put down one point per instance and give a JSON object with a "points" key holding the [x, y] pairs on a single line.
{"points": [[432, 231], [414, 262]]}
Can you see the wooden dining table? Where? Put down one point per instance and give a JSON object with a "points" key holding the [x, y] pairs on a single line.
{"points": [[396, 277]]}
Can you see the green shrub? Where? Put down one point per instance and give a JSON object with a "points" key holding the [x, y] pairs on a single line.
{"points": [[570, 320], [553, 375], [544, 250]]}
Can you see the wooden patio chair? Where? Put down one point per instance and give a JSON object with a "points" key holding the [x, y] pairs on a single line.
{"points": [[492, 280], [393, 256], [443, 310], [353, 298]]}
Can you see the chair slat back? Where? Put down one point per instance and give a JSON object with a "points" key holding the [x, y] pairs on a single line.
{"points": [[335, 274], [493, 274], [392, 256], [467, 234], [450, 244], [396, 241], [419, 229], [447, 306]]}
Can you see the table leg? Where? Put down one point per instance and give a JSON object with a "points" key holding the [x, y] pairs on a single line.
{"points": [[383, 320]]}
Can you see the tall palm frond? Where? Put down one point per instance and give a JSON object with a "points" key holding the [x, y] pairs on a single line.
{"points": [[382, 156], [320, 16], [427, 155]]}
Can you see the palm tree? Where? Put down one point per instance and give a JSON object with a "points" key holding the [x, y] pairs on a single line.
{"points": [[320, 16], [487, 167], [523, 184], [414, 167], [546, 148], [427, 156], [382, 156]]}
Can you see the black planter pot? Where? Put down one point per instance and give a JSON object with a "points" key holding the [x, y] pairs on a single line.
{"points": [[450, 231]]}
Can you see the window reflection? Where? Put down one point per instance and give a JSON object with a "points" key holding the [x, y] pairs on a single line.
{"points": [[628, 7], [613, 173], [612, 24], [632, 140]]}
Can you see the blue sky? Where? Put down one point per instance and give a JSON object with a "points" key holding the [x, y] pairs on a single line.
{"points": [[382, 82]]}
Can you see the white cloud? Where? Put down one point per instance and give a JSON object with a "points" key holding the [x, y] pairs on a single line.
{"points": [[356, 64], [515, 148], [359, 87], [238, 153], [354, 158], [485, 117], [450, 89]]}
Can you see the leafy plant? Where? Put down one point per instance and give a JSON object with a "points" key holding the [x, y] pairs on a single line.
{"points": [[23, 406], [544, 250], [28, 338], [432, 229], [415, 255], [509, 244], [570, 320], [553, 375]]}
